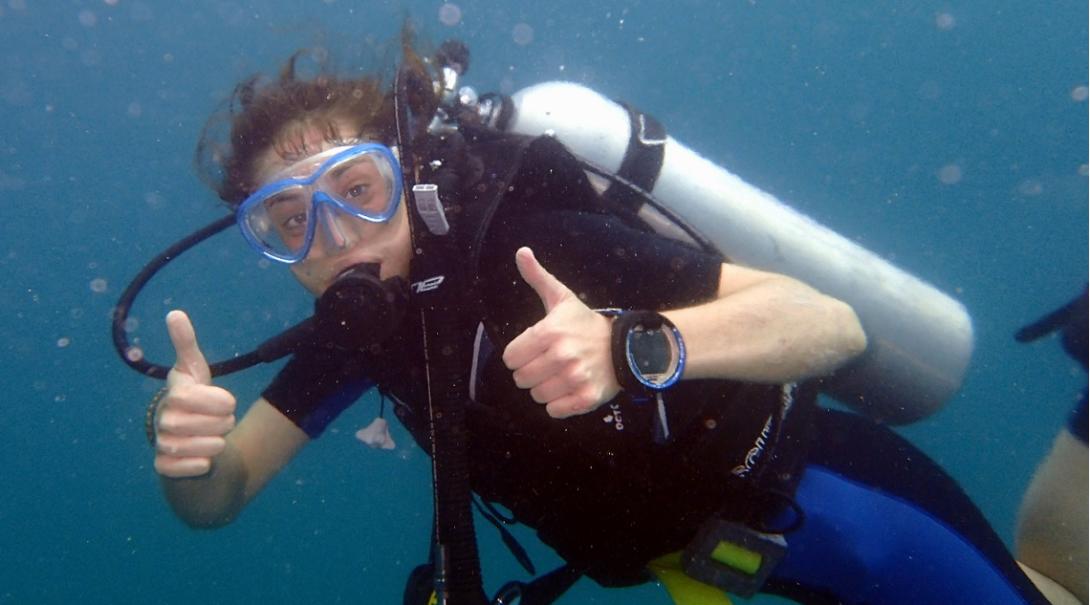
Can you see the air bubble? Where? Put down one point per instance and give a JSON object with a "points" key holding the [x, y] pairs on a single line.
{"points": [[87, 18], [945, 21], [1080, 94], [1031, 188], [950, 174], [98, 285], [450, 14], [522, 34], [134, 354], [63, 342]]}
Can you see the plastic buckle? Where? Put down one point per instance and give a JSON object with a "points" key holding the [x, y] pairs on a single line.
{"points": [[430, 208], [732, 557]]}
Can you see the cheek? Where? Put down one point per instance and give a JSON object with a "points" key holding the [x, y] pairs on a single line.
{"points": [[308, 278], [401, 253]]}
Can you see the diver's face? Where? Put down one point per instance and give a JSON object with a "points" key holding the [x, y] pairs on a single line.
{"points": [[340, 240]]}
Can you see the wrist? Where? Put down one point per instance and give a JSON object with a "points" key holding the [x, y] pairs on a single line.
{"points": [[151, 416]]}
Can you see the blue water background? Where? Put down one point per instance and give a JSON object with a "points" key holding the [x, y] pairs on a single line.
{"points": [[850, 111]]}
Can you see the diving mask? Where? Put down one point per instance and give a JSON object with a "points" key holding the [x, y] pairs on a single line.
{"points": [[280, 220]]}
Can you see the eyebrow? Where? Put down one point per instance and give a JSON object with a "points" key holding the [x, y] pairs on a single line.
{"points": [[282, 198]]}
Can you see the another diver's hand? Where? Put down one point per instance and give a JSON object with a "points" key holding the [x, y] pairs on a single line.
{"points": [[564, 359], [194, 416]]}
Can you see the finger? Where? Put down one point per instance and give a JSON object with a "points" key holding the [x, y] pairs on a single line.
{"points": [[548, 287], [551, 390], [571, 405], [524, 348], [183, 447], [200, 399], [178, 468], [534, 372], [189, 361], [180, 422]]}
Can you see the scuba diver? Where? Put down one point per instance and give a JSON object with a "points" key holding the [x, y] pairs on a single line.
{"points": [[1052, 523], [518, 315]]}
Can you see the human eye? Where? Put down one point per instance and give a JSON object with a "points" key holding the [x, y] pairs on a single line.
{"points": [[357, 191], [294, 224]]}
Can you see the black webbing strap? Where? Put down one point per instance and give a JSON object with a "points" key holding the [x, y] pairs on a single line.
{"points": [[642, 158]]}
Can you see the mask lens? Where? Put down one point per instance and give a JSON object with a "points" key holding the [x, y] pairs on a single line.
{"points": [[362, 183], [279, 222]]}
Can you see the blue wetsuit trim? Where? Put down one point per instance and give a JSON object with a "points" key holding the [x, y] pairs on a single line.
{"points": [[319, 417], [890, 527], [876, 548]]}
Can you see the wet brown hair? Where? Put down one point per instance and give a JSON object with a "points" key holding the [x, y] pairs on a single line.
{"points": [[263, 113]]}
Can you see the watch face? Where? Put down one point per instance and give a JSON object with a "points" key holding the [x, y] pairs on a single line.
{"points": [[653, 354]]}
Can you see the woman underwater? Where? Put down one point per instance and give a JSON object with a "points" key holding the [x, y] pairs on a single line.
{"points": [[628, 391]]}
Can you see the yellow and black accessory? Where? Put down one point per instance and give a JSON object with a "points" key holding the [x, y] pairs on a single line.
{"points": [[733, 557]]}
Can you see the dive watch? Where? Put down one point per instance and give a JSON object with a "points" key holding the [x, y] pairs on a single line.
{"points": [[648, 352]]}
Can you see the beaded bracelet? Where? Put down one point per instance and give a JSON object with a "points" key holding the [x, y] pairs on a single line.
{"points": [[151, 415]]}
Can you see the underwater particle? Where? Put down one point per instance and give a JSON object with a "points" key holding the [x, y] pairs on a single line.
{"points": [[134, 353], [131, 325], [450, 14], [17, 5], [60, 398], [63, 342], [110, 2], [950, 174], [90, 57], [98, 285], [154, 199], [134, 109], [945, 21], [1080, 94], [522, 34], [1031, 188], [75, 313], [1084, 170], [87, 18]]}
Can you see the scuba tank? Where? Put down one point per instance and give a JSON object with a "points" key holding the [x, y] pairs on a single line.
{"points": [[919, 339]]}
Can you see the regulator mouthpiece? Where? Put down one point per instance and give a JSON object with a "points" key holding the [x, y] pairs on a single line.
{"points": [[360, 310]]}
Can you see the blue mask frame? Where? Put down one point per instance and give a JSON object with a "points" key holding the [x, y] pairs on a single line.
{"points": [[318, 198]]}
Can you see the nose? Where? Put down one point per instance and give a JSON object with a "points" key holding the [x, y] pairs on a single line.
{"points": [[332, 234]]}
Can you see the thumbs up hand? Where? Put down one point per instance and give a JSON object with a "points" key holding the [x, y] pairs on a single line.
{"points": [[193, 416], [564, 359]]}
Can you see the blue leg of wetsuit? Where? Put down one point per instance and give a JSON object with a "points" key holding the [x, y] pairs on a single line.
{"points": [[885, 525]]}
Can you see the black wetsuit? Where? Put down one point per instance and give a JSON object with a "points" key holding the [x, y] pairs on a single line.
{"points": [[614, 488]]}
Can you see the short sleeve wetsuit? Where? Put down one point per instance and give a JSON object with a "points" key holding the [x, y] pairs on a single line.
{"points": [[614, 488]]}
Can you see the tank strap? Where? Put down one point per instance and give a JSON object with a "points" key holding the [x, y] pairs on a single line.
{"points": [[642, 158]]}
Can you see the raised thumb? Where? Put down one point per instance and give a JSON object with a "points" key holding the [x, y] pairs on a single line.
{"points": [[189, 360], [550, 289]]}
